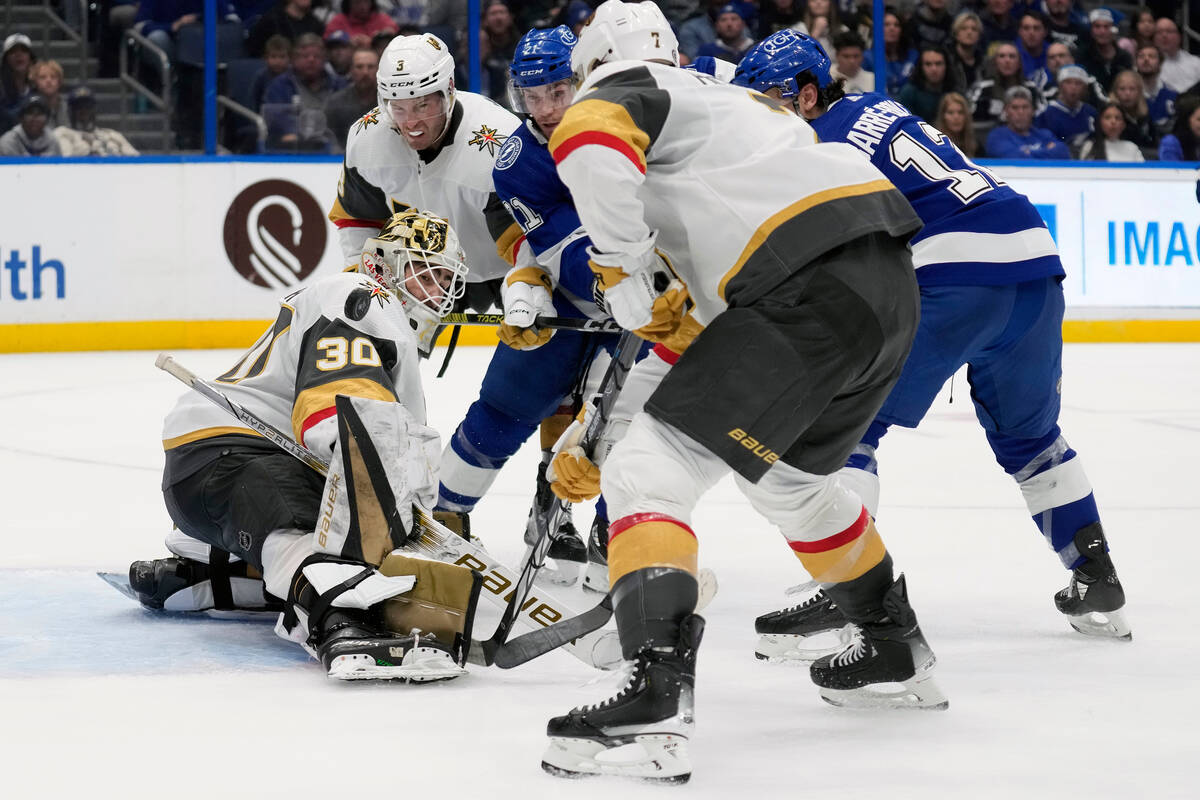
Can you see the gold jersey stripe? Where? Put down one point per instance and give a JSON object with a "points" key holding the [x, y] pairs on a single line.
{"points": [[651, 544], [794, 210], [600, 122], [845, 563], [506, 244], [207, 433], [319, 398]]}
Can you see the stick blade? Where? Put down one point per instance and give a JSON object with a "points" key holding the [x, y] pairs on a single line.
{"points": [[529, 646]]}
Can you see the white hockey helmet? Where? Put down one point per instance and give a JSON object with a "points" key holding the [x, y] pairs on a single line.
{"points": [[417, 256], [415, 66], [624, 31]]}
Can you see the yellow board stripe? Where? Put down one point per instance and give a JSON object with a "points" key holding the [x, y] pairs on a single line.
{"points": [[847, 562], [61, 337], [318, 398], [794, 210], [58, 337], [651, 544], [207, 433]]}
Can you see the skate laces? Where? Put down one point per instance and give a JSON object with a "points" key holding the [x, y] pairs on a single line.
{"points": [[856, 649], [816, 599], [626, 676], [801, 588]]}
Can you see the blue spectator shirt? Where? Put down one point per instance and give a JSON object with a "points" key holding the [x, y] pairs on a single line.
{"points": [[527, 182], [1069, 126], [1162, 107], [898, 72], [1039, 143], [977, 229]]}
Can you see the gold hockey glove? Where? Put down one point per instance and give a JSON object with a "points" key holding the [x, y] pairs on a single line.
{"points": [[526, 295]]}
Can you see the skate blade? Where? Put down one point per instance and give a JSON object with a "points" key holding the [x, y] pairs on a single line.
{"points": [[595, 578], [785, 648], [364, 667], [558, 572], [120, 583], [919, 692], [1107, 624], [657, 758]]}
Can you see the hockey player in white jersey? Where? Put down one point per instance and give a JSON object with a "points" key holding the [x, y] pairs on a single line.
{"points": [[431, 147], [794, 256], [339, 369]]}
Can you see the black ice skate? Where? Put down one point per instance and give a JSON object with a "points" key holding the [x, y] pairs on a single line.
{"points": [[185, 584], [805, 632], [568, 553], [595, 577], [653, 714], [353, 649], [1094, 600], [887, 664]]}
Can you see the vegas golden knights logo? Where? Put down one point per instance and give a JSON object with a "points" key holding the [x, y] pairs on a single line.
{"points": [[416, 232]]}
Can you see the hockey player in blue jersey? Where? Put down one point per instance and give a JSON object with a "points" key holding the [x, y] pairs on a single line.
{"points": [[532, 373], [991, 298]]}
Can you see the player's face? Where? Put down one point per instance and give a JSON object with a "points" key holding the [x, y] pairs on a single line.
{"points": [[428, 283], [547, 104], [1019, 114], [793, 103], [420, 120], [1112, 123]]}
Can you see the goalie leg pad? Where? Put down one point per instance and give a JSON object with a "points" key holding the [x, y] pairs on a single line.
{"points": [[383, 463], [442, 602]]}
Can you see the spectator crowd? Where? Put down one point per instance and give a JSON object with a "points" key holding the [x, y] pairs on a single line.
{"points": [[1047, 79]]}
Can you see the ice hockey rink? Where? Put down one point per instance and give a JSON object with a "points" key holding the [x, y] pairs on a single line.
{"points": [[101, 699]]}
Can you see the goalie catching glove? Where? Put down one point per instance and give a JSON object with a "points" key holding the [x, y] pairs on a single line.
{"points": [[649, 300], [573, 475], [526, 296]]}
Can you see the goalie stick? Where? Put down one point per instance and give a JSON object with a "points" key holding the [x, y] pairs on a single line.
{"points": [[624, 354], [556, 323], [434, 540]]}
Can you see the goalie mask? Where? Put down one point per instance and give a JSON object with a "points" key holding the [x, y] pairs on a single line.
{"points": [[624, 32], [416, 88], [417, 256]]}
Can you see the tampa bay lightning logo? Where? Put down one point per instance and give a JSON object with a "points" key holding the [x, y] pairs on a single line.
{"points": [[508, 152]]}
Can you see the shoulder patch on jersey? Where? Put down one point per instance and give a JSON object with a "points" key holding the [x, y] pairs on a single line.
{"points": [[509, 152], [358, 303], [367, 120], [487, 138]]}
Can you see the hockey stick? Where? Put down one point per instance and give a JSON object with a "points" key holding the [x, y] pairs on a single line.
{"points": [[625, 353], [556, 323], [529, 646], [435, 540]]}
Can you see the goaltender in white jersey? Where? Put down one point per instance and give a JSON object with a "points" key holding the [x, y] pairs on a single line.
{"points": [[430, 147], [260, 530]]}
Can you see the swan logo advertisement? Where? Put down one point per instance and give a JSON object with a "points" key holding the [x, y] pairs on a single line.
{"points": [[275, 234]]}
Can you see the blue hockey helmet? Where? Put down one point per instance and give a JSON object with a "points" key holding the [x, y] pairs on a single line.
{"points": [[542, 56], [775, 62]]}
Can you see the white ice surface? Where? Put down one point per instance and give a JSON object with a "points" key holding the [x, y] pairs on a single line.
{"points": [[100, 699]]}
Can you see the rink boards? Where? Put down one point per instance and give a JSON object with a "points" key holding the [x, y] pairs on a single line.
{"points": [[176, 252]]}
